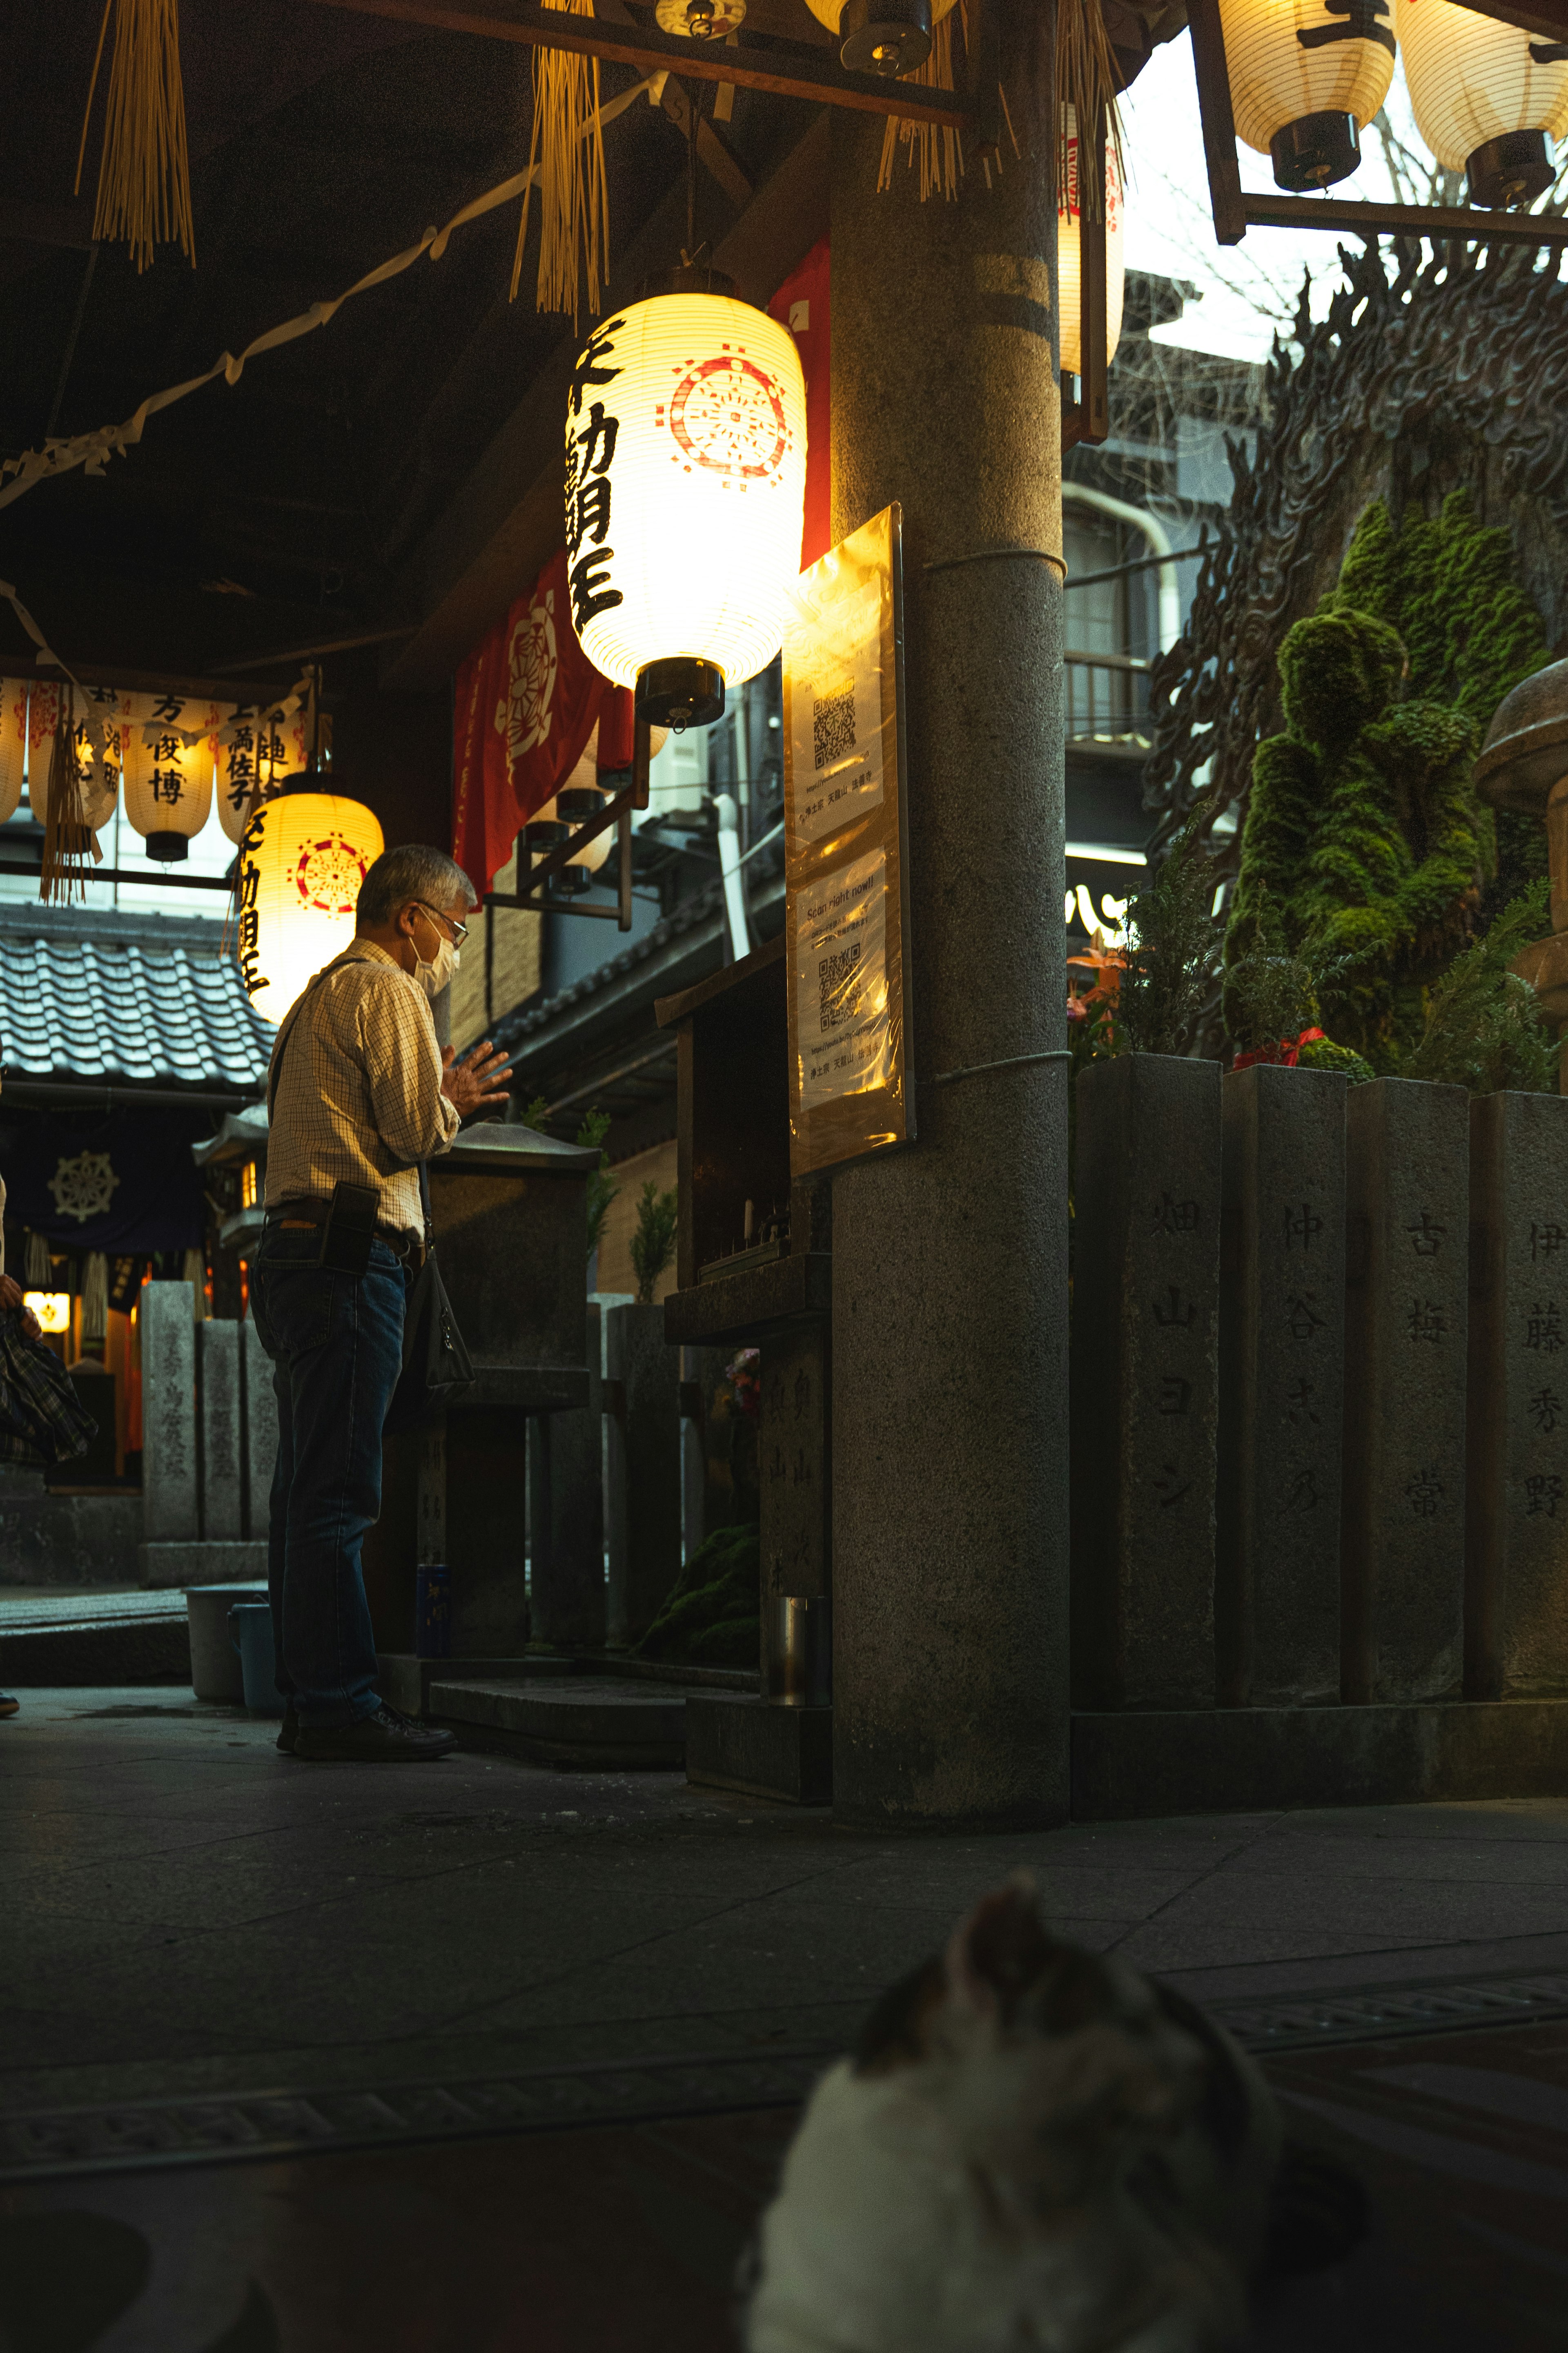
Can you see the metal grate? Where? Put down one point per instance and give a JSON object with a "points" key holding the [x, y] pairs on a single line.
{"points": [[130, 2136]]}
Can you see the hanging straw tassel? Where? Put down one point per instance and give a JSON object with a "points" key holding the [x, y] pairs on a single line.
{"points": [[66, 834], [36, 1266], [95, 1297], [937, 146], [1087, 84], [145, 179], [566, 153]]}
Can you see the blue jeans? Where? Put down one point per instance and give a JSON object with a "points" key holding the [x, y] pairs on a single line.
{"points": [[336, 1345]]}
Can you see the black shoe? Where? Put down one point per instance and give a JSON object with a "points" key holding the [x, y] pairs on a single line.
{"points": [[290, 1734], [384, 1738]]}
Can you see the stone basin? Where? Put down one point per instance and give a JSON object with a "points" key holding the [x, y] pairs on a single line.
{"points": [[1526, 747]]}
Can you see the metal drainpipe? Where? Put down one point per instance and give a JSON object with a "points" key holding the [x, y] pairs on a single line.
{"points": [[1159, 540]]}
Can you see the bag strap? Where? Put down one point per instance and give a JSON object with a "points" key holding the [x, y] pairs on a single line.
{"points": [[425, 1206]]}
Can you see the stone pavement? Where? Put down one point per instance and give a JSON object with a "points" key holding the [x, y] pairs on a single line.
{"points": [[188, 1913]]}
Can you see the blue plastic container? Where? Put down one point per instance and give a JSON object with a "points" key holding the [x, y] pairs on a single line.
{"points": [[433, 1612], [250, 1624]]}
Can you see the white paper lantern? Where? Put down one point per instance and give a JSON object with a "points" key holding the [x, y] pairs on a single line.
{"points": [[1068, 251], [684, 484], [168, 780], [302, 862], [1306, 80], [13, 743], [1486, 97]]}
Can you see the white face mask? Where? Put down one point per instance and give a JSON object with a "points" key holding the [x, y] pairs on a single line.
{"points": [[435, 977]]}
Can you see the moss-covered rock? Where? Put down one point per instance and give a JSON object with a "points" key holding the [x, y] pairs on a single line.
{"points": [[712, 1614]]}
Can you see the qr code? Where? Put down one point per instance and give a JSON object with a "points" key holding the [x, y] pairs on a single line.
{"points": [[833, 972], [833, 728]]}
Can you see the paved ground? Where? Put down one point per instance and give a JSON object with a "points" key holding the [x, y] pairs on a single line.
{"points": [[188, 1912]]}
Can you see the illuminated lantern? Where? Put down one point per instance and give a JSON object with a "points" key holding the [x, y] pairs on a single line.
{"points": [[97, 776], [52, 1308], [13, 743], [302, 862], [1488, 99], [684, 484], [1305, 80], [881, 36], [1067, 252], [168, 780]]}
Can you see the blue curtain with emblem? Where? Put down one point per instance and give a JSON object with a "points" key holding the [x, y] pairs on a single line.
{"points": [[111, 1181]]}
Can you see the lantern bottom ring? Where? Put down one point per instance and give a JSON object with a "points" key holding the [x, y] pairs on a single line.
{"points": [[168, 847], [884, 37], [1513, 170], [1315, 151], [680, 691]]}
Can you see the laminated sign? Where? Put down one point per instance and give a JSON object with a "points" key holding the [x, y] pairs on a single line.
{"points": [[846, 866]]}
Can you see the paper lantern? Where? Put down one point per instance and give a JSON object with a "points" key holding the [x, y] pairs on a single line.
{"points": [[13, 744], [52, 1308], [881, 36], [1305, 80], [684, 485], [97, 779], [1488, 100], [302, 862], [1067, 250], [168, 780]]}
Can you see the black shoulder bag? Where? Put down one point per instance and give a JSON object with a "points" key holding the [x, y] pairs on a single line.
{"points": [[435, 1363]]}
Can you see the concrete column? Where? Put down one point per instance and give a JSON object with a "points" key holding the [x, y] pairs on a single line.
{"points": [[260, 1430], [1406, 1310], [643, 1490], [221, 1489], [1282, 1358], [169, 1486], [950, 1424], [1145, 1382], [567, 1503], [1516, 1580]]}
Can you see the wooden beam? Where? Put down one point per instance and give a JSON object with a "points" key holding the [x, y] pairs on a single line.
{"points": [[1219, 127], [1473, 225], [783, 69], [713, 149], [1546, 19]]}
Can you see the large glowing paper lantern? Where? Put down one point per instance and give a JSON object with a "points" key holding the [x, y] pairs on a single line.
{"points": [[1305, 80], [168, 776], [1488, 98], [13, 743], [302, 862], [684, 485], [1067, 252]]}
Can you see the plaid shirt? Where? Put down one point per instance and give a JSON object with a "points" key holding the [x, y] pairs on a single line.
{"points": [[357, 1095], [41, 1419]]}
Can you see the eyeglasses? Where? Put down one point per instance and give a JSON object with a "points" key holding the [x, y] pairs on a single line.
{"points": [[460, 930]]}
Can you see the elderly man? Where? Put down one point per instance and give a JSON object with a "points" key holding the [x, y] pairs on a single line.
{"points": [[360, 1093]]}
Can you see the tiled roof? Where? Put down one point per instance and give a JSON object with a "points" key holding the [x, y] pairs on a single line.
{"points": [[98, 993]]}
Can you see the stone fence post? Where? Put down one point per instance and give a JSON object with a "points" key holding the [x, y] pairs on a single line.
{"points": [[642, 1388], [566, 1516]]}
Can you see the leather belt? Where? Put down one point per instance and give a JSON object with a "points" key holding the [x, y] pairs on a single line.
{"points": [[402, 1245]]}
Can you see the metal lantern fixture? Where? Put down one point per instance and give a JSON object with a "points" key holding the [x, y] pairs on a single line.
{"points": [[685, 486], [302, 862], [1305, 80], [1488, 99], [881, 36], [169, 764], [1069, 251]]}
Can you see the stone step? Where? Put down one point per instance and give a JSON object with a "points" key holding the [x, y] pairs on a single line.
{"points": [[591, 1722], [123, 1641]]}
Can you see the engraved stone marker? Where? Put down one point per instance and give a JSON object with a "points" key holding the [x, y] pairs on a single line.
{"points": [[566, 1505], [221, 1500], [1516, 1583], [1146, 1201], [1281, 1386], [260, 1431], [1406, 1316], [643, 1468], [168, 1414]]}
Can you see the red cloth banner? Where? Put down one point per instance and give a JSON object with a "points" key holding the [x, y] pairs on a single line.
{"points": [[801, 304], [526, 701]]}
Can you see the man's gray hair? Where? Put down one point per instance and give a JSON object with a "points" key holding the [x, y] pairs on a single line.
{"points": [[414, 871]]}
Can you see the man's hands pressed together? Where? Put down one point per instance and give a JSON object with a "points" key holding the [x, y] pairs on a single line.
{"points": [[473, 1084]]}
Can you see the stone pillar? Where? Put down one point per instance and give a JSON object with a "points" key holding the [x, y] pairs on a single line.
{"points": [[566, 1502], [1145, 1382], [169, 1487], [796, 1489], [222, 1499], [1516, 1576], [949, 1273], [707, 1480], [643, 1468], [260, 1430], [470, 1465], [1282, 1357], [1406, 1313]]}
